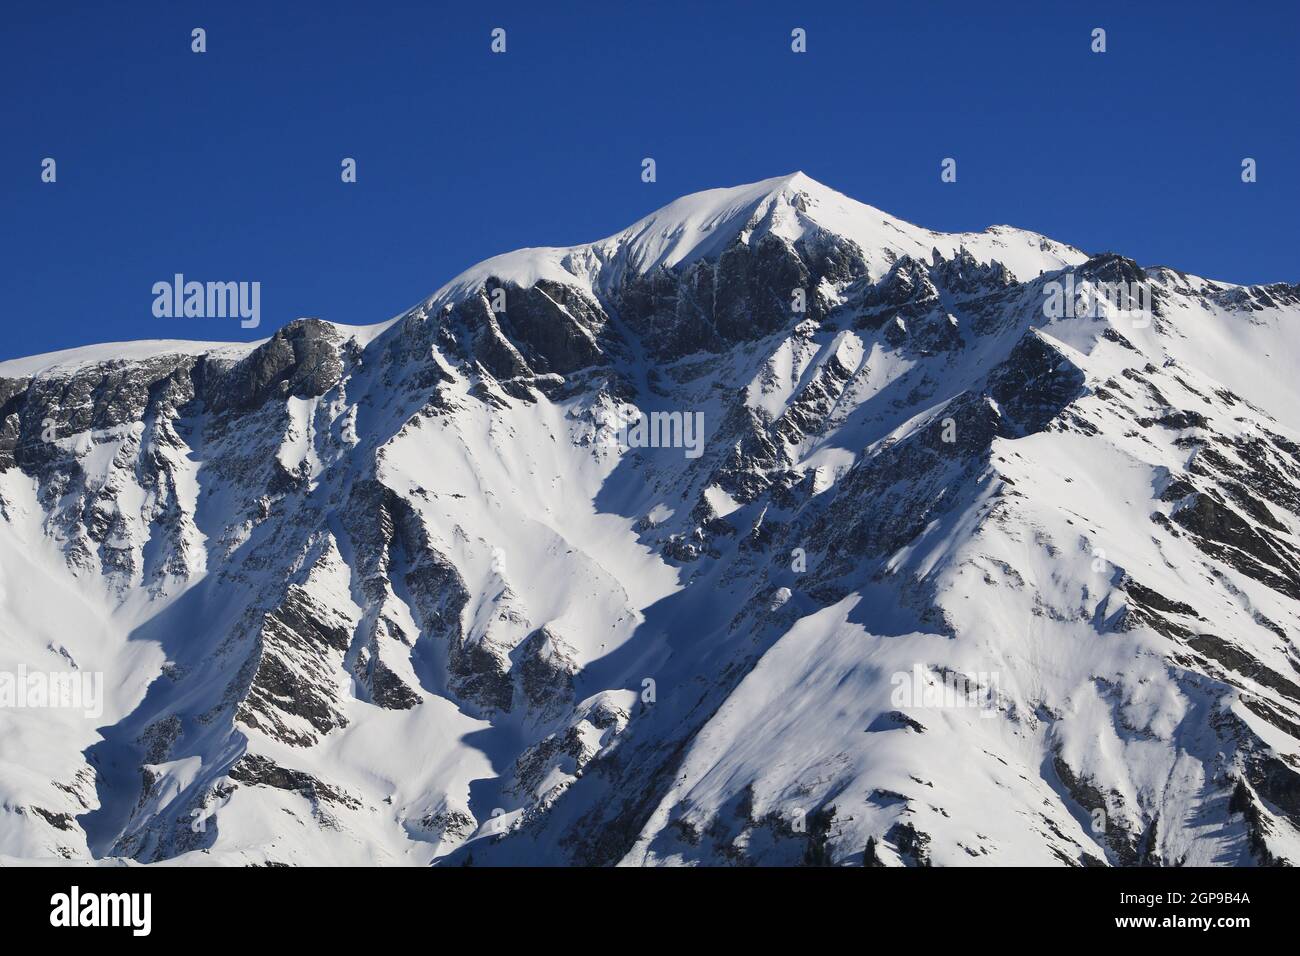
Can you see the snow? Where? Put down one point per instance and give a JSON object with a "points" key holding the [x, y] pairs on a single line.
{"points": [[702, 224], [53, 622], [548, 527], [69, 359]]}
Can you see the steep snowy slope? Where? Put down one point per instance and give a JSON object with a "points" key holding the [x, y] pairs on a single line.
{"points": [[951, 577]]}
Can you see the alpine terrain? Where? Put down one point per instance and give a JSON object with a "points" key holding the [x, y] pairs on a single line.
{"points": [[771, 530]]}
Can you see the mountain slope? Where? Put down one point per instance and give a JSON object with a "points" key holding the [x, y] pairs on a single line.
{"points": [[409, 593]]}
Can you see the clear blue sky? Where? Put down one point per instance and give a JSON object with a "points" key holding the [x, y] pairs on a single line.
{"points": [[225, 166]]}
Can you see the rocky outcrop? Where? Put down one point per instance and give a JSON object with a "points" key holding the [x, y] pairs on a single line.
{"points": [[301, 360]]}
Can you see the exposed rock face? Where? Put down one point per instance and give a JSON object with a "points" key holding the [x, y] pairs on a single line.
{"points": [[950, 579], [747, 293], [258, 771], [301, 360], [301, 645], [546, 666]]}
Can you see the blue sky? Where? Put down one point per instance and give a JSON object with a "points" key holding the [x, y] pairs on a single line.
{"points": [[225, 165]]}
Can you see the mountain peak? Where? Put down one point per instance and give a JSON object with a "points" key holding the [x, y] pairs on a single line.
{"points": [[799, 180], [700, 225], [405, 588]]}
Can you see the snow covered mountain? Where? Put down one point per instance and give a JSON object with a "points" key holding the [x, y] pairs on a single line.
{"points": [[955, 577]]}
